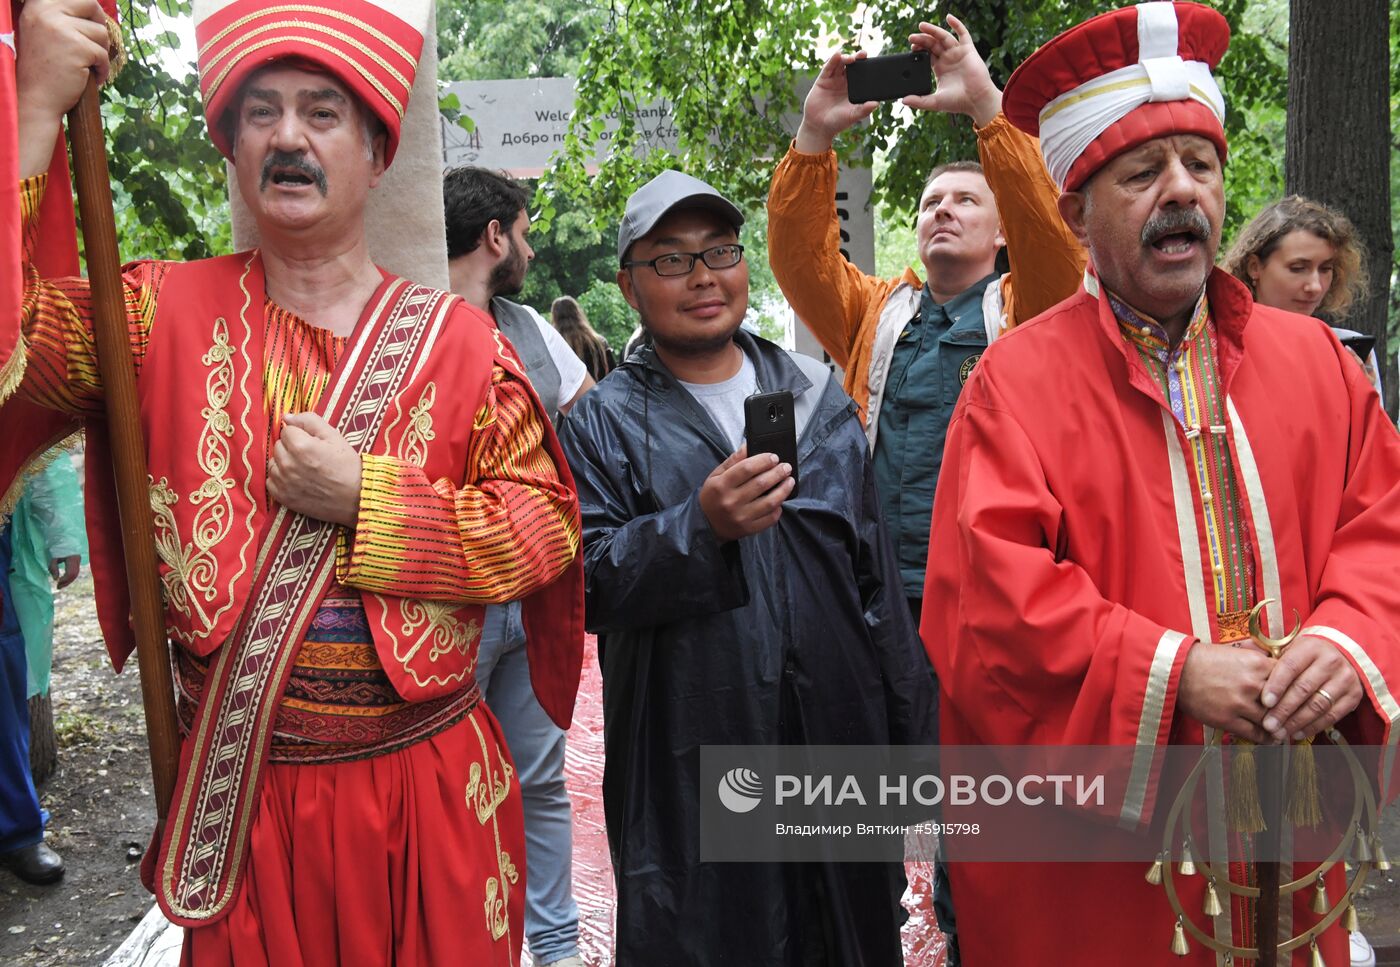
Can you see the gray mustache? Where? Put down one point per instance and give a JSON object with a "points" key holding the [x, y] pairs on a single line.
{"points": [[1188, 220], [296, 162]]}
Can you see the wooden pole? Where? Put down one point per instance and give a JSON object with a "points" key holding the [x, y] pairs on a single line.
{"points": [[1271, 773], [128, 446]]}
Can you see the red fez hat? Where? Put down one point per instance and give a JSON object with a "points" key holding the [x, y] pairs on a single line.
{"points": [[370, 46], [1118, 80]]}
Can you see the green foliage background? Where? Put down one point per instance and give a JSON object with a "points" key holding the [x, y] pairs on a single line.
{"points": [[729, 69]]}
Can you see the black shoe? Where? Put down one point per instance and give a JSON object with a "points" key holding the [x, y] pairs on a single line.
{"points": [[34, 864]]}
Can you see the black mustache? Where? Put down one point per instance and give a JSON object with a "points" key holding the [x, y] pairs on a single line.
{"points": [[296, 162], [1188, 220]]}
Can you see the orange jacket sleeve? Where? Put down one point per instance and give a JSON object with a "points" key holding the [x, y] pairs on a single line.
{"points": [[828, 293], [1047, 261]]}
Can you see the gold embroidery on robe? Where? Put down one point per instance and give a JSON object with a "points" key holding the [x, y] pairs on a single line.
{"points": [[435, 624], [413, 448], [193, 568]]}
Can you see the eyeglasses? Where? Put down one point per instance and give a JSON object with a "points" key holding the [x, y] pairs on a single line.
{"points": [[682, 263]]}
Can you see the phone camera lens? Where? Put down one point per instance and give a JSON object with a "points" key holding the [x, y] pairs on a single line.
{"points": [[772, 412]]}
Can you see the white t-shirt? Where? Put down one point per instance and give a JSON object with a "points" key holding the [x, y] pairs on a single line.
{"points": [[571, 368], [724, 401]]}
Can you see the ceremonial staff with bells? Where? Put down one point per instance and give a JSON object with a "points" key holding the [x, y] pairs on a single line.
{"points": [[1126, 478], [344, 468]]}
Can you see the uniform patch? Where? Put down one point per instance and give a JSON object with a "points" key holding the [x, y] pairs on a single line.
{"points": [[965, 370]]}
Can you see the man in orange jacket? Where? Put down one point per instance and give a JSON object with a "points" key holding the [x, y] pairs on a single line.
{"points": [[908, 346]]}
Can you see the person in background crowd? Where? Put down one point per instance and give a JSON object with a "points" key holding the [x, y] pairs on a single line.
{"points": [[729, 611], [1127, 476], [908, 346], [42, 542], [488, 257], [571, 322], [1302, 256]]}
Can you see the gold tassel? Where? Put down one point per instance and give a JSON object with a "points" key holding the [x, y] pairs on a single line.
{"points": [[1320, 906], [116, 50], [1316, 960], [1187, 867], [1154, 872], [1243, 802], [1304, 807], [1179, 945], [1349, 920], [1382, 863], [1211, 907]]}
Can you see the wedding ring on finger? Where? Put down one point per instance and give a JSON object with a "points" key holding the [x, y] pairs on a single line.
{"points": [[1327, 695]]}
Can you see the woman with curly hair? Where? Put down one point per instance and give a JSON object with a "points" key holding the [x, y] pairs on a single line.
{"points": [[1302, 256], [568, 317]]}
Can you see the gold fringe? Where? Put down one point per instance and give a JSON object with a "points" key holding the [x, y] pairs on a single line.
{"points": [[1304, 806], [1179, 945], [35, 466], [116, 49], [1242, 805], [13, 371]]}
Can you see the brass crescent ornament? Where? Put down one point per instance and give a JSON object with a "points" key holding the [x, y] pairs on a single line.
{"points": [[1274, 646]]}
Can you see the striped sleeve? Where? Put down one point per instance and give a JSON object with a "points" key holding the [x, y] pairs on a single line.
{"points": [[56, 322], [512, 528]]}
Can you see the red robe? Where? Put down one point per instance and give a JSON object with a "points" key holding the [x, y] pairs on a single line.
{"points": [[1068, 577], [357, 844]]}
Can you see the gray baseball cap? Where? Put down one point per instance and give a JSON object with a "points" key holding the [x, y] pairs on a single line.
{"points": [[668, 190]]}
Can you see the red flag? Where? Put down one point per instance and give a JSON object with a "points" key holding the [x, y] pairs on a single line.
{"points": [[29, 432], [10, 290]]}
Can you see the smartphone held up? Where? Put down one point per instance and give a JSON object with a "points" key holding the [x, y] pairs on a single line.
{"points": [[889, 78], [770, 427]]}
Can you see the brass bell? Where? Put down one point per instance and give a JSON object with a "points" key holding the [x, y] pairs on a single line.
{"points": [[1179, 945], [1211, 907], [1154, 872]]}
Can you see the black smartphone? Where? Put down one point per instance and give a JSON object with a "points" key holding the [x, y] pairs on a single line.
{"points": [[889, 78], [1360, 344], [770, 427]]}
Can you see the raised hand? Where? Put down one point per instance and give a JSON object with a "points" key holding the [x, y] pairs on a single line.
{"points": [[61, 43], [827, 112], [964, 86]]}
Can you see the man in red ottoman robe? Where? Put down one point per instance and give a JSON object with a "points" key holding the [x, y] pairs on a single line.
{"points": [[345, 468], [1127, 475]]}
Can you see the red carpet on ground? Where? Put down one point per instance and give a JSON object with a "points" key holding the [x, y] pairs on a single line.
{"points": [[593, 884]]}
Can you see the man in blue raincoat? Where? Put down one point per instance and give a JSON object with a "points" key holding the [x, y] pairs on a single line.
{"points": [[731, 611]]}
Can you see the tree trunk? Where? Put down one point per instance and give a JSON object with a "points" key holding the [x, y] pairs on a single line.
{"points": [[1339, 136], [43, 743]]}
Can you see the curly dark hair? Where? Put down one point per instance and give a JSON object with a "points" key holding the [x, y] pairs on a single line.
{"points": [[1267, 229]]}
